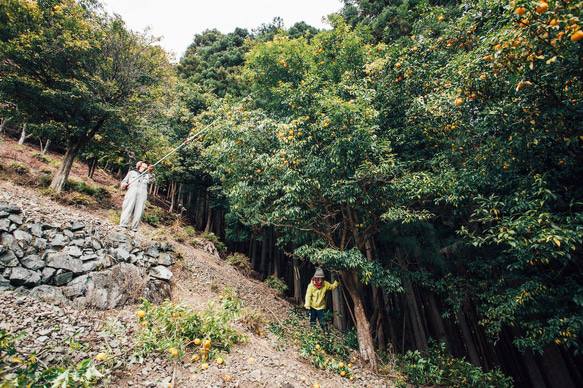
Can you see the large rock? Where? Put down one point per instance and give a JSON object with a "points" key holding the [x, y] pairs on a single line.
{"points": [[61, 260], [32, 262], [58, 241], [161, 272], [21, 276], [9, 208], [8, 259], [116, 286], [166, 259], [21, 235], [48, 293], [78, 286]]}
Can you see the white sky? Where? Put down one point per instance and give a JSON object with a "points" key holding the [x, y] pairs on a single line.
{"points": [[177, 21]]}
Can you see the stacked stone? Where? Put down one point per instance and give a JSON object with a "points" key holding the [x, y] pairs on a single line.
{"points": [[91, 265]]}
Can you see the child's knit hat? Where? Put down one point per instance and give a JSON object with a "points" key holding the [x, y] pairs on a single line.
{"points": [[319, 273]]}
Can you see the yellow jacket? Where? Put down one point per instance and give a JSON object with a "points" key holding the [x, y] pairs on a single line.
{"points": [[316, 298]]}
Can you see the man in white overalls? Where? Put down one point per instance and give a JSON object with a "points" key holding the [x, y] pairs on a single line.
{"points": [[135, 199]]}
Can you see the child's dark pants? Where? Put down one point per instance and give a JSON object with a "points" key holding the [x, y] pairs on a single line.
{"points": [[317, 314]]}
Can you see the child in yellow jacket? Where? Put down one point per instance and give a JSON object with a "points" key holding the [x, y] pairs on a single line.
{"points": [[316, 297]]}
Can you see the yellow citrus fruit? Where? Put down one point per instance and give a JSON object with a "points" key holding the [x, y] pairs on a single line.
{"points": [[251, 360], [173, 351], [206, 344], [349, 365], [196, 357], [341, 365], [303, 378], [440, 18], [204, 366], [342, 373], [520, 11], [227, 378], [317, 347], [100, 356], [542, 7], [459, 101], [219, 360], [197, 341], [140, 313], [316, 385]]}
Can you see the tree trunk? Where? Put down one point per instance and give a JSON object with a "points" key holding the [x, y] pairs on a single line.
{"points": [[297, 280], [253, 253], [23, 135], [3, 123], [44, 149], [264, 252], [62, 173], [338, 306], [469, 339], [415, 316], [92, 165], [436, 318], [354, 286]]}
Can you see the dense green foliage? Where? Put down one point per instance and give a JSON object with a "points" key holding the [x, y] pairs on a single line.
{"points": [[436, 367], [464, 129], [76, 73], [447, 135]]}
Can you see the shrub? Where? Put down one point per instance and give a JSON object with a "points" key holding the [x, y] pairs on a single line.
{"points": [[240, 261], [175, 330], [435, 367], [322, 349], [18, 168], [153, 217], [45, 181], [82, 199], [31, 373], [190, 231], [215, 240], [277, 284]]}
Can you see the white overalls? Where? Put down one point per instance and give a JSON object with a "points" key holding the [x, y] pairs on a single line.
{"points": [[135, 199]]}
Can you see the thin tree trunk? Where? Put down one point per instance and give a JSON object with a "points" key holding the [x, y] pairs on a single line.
{"points": [[23, 135], [44, 149], [3, 123], [253, 253], [297, 279], [366, 348], [62, 173], [468, 339], [338, 306], [436, 318], [414, 315], [209, 215], [263, 253]]}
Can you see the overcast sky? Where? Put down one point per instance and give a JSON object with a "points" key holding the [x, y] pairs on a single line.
{"points": [[177, 21]]}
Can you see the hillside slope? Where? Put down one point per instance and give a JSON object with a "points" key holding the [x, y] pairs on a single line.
{"points": [[201, 279]]}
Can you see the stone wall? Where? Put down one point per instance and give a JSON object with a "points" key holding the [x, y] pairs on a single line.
{"points": [[89, 263]]}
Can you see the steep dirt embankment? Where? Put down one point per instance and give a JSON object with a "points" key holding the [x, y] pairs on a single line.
{"points": [[60, 331]]}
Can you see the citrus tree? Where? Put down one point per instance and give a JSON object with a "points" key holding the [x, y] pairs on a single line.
{"points": [[301, 153], [483, 102]]}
